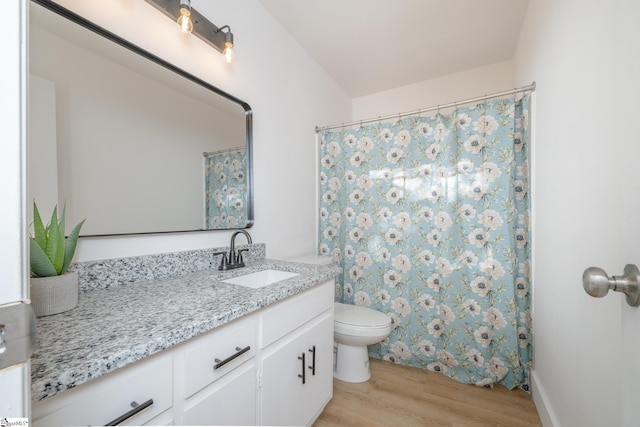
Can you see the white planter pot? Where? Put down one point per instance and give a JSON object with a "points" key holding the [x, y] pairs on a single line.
{"points": [[55, 294]]}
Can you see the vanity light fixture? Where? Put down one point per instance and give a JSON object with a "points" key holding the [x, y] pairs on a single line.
{"points": [[194, 22], [228, 43]]}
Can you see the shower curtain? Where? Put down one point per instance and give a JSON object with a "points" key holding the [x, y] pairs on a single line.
{"points": [[429, 219], [225, 189]]}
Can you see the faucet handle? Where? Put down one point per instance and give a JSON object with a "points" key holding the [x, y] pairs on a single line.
{"points": [[223, 260], [240, 254]]}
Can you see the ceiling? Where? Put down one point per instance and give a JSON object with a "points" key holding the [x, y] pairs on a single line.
{"points": [[368, 46]]}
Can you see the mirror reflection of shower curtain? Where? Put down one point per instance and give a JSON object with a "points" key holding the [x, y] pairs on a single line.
{"points": [[225, 188]]}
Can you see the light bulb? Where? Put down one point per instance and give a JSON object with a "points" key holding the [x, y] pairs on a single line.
{"points": [[186, 26], [184, 20], [228, 52]]}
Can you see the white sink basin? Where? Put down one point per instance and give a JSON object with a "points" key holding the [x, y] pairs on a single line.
{"points": [[260, 279]]}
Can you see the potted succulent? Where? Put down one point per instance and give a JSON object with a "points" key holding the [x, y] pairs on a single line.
{"points": [[53, 288]]}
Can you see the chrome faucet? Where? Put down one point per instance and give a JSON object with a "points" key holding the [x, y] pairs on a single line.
{"points": [[234, 260]]}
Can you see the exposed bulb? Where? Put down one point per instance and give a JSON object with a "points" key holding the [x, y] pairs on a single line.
{"points": [[228, 52], [186, 25]]}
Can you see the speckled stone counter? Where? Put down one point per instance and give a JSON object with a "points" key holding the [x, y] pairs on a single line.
{"points": [[116, 326]]}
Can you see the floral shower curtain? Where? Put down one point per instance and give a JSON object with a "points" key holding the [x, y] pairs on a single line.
{"points": [[225, 189], [429, 218]]}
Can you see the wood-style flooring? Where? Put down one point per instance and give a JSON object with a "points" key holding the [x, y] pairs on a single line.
{"points": [[403, 396]]}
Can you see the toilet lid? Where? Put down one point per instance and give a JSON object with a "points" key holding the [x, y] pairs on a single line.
{"points": [[359, 316]]}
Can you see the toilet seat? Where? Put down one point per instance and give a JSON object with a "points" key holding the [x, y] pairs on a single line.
{"points": [[352, 319], [360, 331]]}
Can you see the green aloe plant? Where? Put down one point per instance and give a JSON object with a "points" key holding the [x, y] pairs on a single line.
{"points": [[51, 252]]}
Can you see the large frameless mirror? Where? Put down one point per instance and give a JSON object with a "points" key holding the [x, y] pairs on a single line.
{"points": [[127, 140]]}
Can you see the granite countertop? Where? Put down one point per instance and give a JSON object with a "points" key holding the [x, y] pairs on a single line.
{"points": [[113, 327]]}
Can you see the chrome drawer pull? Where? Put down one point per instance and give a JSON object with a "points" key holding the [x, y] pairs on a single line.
{"points": [[240, 352], [136, 408]]}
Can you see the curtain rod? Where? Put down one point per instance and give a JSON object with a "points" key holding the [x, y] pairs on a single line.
{"points": [[226, 150], [527, 88]]}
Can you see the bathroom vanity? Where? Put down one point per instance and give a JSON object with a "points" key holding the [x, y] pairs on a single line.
{"points": [[190, 350]]}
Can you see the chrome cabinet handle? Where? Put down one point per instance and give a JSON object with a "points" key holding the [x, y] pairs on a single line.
{"points": [[136, 408], [240, 352], [597, 284], [313, 360], [303, 376]]}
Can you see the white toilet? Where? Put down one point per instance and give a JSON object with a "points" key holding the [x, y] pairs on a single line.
{"points": [[354, 328]]}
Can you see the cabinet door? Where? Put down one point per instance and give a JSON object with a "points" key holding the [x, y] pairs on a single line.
{"points": [[321, 384], [229, 401], [285, 399]]}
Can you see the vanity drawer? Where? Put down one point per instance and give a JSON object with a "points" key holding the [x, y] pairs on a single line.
{"points": [[287, 315], [213, 355], [109, 397]]}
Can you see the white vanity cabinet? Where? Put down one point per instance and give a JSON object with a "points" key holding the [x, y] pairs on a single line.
{"points": [[245, 372], [297, 358]]}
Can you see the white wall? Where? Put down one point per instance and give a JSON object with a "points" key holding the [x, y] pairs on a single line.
{"points": [[442, 90], [289, 93], [42, 180], [584, 59]]}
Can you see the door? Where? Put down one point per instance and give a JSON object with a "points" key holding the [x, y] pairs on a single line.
{"points": [[14, 380]]}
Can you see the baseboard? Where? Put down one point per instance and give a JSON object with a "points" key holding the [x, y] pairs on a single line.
{"points": [[541, 400]]}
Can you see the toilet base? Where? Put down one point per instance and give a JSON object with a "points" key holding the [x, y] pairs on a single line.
{"points": [[352, 363]]}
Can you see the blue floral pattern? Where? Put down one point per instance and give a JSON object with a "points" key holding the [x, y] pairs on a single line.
{"points": [[429, 219], [226, 189]]}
